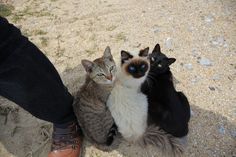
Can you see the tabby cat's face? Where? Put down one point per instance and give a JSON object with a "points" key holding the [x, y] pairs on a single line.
{"points": [[134, 66], [102, 70]]}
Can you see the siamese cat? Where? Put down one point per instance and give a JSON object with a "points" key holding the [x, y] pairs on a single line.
{"points": [[129, 106]]}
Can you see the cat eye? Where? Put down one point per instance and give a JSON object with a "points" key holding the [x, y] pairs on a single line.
{"points": [[152, 59], [143, 66], [159, 65], [100, 74], [132, 69]]}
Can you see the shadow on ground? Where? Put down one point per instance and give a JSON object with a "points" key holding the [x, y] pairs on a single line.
{"points": [[22, 135]]}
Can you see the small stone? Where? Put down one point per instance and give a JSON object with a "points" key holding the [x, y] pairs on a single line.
{"points": [[191, 28], [195, 53], [209, 19], [188, 66], [137, 44], [205, 62], [169, 43], [195, 79], [233, 133], [191, 113], [218, 41], [215, 77], [222, 130], [212, 88], [175, 80], [156, 30]]}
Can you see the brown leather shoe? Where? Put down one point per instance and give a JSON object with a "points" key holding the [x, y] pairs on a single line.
{"points": [[66, 142]]}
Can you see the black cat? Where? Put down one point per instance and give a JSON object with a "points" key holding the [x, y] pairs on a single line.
{"points": [[168, 108]]}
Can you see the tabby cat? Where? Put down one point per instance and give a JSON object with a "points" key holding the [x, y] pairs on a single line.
{"points": [[89, 105], [168, 108]]}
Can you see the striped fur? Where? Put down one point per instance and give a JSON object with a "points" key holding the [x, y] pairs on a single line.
{"points": [[90, 107], [168, 144]]}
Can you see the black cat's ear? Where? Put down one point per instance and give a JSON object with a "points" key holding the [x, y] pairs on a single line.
{"points": [[88, 65], [125, 56], [144, 52], [171, 61], [107, 53], [157, 49]]}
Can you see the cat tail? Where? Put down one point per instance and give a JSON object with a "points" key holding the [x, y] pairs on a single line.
{"points": [[169, 145]]}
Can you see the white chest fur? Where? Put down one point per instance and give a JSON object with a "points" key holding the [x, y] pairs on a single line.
{"points": [[129, 110]]}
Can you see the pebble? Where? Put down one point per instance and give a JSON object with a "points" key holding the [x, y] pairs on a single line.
{"points": [[188, 66], [212, 88], [137, 44], [169, 43], [195, 53], [216, 77], [191, 29], [222, 130], [191, 113], [196, 79], [233, 133], [219, 41], [205, 62], [209, 19], [156, 30]]}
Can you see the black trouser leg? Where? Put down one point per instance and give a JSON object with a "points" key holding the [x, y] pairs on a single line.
{"points": [[30, 80]]}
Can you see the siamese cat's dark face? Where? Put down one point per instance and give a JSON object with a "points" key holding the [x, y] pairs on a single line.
{"points": [[135, 65], [159, 61]]}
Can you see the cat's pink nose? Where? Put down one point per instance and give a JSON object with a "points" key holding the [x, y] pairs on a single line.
{"points": [[109, 77]]}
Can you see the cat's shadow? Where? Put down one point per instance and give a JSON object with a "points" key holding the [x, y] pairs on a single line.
{"points": [[204, 125], [211, 134]]}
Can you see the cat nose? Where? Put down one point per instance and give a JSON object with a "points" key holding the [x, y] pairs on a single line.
{"points": [[109, 77]]}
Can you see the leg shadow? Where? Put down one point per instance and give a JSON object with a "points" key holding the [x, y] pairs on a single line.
{"points": [[21, 134]]}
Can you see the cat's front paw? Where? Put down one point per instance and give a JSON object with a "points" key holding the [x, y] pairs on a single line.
{"points": [[112, 132]]}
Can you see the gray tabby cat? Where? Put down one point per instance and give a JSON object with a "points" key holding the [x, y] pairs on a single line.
{"points": [[89, 105]]}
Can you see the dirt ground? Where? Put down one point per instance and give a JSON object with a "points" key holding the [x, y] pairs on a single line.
{"points": [[201, 35]]}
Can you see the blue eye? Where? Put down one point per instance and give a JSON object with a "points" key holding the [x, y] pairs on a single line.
{"points": [[143, 66], [132, 69]]}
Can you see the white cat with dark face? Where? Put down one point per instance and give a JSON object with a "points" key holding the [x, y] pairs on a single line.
{"points": [[127, 104]]}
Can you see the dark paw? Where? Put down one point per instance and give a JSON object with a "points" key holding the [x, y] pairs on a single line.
{"points": [[109, 140], [110, 137], [113, 130]]}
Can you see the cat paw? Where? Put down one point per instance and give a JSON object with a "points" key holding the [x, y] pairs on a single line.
{"points": [[112, 132], [110, 139]]}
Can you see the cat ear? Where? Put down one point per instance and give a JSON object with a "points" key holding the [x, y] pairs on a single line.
{"points": [[157, 49], [125, 56], [88, 65], [171, 61], [107, 52], [144, 52]]}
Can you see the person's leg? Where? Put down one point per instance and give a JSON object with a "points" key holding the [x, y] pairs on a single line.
{"points": [[30, 80]]}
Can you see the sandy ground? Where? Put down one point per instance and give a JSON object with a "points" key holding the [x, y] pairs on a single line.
{"points": [[200, 34]]}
